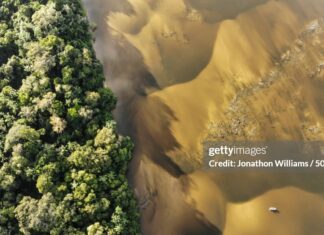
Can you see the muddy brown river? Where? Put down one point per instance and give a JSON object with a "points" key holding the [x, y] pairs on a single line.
{"points": [[189, 70]]}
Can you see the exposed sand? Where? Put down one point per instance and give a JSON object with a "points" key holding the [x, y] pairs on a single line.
{"points": [[189, 70]]}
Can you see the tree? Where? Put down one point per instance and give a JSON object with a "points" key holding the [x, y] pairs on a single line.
{"points": [[62, 163]]}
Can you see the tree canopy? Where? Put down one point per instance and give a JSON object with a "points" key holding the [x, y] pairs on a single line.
{"points": [[62, 164]]}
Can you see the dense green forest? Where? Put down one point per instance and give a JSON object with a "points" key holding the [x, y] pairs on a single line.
{"points": [[63, 166]]}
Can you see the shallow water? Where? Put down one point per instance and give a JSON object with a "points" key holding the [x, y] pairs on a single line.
{"points": [[176, 68]]}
